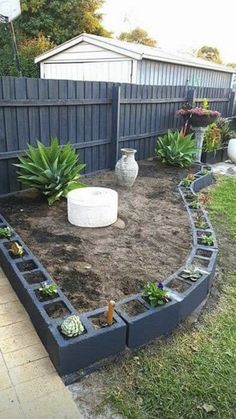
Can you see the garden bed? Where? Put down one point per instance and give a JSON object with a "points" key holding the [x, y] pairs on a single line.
{"points": [[149, 242]]}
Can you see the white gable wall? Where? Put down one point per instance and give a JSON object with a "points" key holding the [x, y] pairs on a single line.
{"points": [[86, 61]]}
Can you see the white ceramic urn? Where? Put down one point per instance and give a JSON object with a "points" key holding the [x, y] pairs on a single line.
{"points": [[232, 150], [126, 169]]}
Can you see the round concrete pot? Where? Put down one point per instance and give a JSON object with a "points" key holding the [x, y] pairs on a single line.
{"points": [[232, 150]]}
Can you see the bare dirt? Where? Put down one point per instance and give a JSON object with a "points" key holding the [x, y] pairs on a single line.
{"points": [[92, 266]]}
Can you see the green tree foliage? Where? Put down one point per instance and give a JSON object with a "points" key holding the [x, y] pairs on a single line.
{"points": [[29, 49], [43, 24], [233, 65], [60, 20], [209, 54], [138, 36]]}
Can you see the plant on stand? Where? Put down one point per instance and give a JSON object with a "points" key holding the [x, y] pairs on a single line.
{"points": [[199, 118]]}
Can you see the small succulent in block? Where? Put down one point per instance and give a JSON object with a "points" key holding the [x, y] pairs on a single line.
{"points": [[205, 170], [195, 204], [48, 290], [5, 233], [191, 273], [207, 240], [155, 294], [72, 326], [200, 222], [186, 182], [16, 250], [204, 198]]}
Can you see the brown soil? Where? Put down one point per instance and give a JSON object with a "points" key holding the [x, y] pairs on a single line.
{"points": [[93, 266], [133, 308], [56, 310], [100, 321], [177, 285]]}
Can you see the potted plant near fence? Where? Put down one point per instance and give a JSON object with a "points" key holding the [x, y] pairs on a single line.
{"points": [[199, 118]]}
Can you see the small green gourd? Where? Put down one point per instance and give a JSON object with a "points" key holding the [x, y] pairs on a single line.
{"points": [[72, 326]]}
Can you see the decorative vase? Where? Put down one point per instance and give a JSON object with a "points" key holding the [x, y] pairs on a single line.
{"points": [[199, 137], [232, 150], [126, 169]]}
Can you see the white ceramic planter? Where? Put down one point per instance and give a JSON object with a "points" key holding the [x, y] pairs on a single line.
{"points": [[232, 150], [92, 207]]}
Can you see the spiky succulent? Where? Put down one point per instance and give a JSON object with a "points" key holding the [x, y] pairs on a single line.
{"points": [[72, 326], [175, 149], [53, 170]]}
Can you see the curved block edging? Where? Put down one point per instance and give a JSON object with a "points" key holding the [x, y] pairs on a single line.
{"points": [[70, 355]]}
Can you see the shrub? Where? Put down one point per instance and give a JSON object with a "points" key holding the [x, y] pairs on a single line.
{"points": [[226, 132], [175, 149], [53, 170], [212, 138]]}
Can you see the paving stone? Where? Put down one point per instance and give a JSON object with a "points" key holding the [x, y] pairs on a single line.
{"points": [[35, 369], [19, 342], [8, 399], [5, 381], [14, 307], [7, 296], [12, 413], [16, 329], [1, 360], [40, 387], [58, 405], [11, 318], [25, 355]]}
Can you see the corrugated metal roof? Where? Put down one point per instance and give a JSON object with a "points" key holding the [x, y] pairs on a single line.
{"points": [[137, 51]]}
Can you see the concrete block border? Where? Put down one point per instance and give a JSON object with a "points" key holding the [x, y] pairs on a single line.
{"points": [[72, 354]]}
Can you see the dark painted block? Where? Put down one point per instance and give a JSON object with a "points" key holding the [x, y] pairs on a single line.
{"points": [[71, 354], [192, 296], [150, 324]]}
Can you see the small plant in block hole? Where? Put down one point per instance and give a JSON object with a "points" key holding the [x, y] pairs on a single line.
{"points": [[204, 198], [206, 240], [206, 170], [16, 250], [155, 294], [104, 319], [72, 327], [200, 222], [190, 196], [191, 273], [186, 182], [48, 290], [195, 204], [5, 232]]}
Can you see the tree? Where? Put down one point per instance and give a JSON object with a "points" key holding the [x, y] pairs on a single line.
{"points": [[44, 24], [209, 54], [138, 36], [28, 50], [59, 20], [233, 65]]}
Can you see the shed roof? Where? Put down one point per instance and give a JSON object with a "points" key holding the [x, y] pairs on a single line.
{"points": [[136, 51]]}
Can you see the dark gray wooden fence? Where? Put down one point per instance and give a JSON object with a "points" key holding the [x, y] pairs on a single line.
{"points": [[97, 118]]}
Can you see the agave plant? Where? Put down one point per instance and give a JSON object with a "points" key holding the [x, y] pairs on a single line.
{"points": [[176, 149], [53, 170]]}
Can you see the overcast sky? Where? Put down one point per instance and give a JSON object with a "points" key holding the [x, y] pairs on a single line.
{"points": [[182, 24]]}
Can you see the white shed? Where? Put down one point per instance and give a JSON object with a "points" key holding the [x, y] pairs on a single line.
{"points": [[96, 58]]}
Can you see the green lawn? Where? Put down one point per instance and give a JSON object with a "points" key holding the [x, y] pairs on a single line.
{"points": [[192, 374]]}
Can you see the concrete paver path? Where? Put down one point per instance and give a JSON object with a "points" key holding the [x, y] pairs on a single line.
{"points": [[30, 387]]}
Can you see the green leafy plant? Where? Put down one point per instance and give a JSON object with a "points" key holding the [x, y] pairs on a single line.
{"points": [[186, 182], [195, 204], [207, 240], [155, 294], [192, 273], [48, 290], [205, 171], [226, 132], [72, 326], [16, 249], [175, 149], [5, 233], [53, 170], [212, 138], [205, 104]]}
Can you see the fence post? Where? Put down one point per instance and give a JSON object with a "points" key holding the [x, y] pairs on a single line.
{"points": [[230, 110], [191, 96], [115, 134]]}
